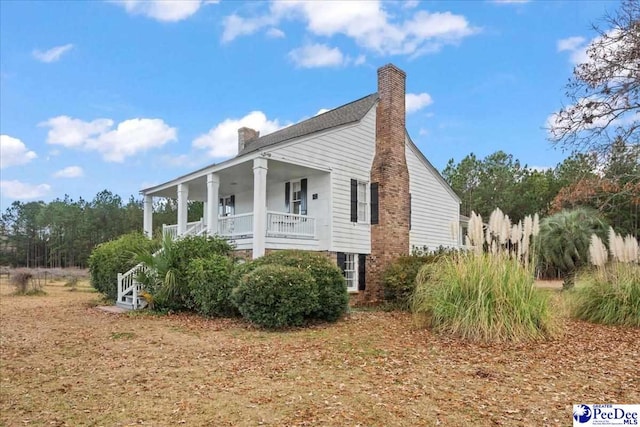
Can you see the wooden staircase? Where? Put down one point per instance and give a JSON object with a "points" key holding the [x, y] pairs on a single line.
{"points": [[130, 290]]}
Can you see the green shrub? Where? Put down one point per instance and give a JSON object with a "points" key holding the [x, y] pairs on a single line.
{"points": [[210, 283], [166, 279], [276, 296], [113, 257], [333, 298], [481, 297], [399, 278], [192, 247], [609, 295]]}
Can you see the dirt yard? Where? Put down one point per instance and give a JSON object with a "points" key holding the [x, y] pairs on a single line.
{"points": [[65, 363]]}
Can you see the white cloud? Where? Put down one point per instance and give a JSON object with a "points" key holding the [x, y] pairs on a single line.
{"points": [[70, 132], [275, 33], [361, 59], [23, 191], [417, 101], [410, 4], [570, 43], [317, 55], [53, 54], [367, 23], [163, 10], [69, 172], [222, 140], [13, 152], [423, 132], [236, 26], [576, 46], [322, 111], [130, 137]]}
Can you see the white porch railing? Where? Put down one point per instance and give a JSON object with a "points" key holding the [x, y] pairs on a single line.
{"points": [[193, 228], [236, 225], [290, 225]]}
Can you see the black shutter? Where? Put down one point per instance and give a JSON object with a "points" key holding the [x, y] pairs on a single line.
{"points": [[354, 200], [287, 196], [409, 211], [362, 258], [342, 261], [233, 204], [374, 203], [303, 196]]}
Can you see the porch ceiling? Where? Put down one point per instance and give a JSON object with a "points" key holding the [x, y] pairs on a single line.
{"points": [[239, 178]]}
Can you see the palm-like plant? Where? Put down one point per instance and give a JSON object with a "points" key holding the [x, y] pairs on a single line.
{"points": [[563, 242], [159, 277]]}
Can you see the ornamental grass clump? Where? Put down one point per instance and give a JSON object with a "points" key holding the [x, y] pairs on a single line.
{"points": [[486, 294], [610, 293]]}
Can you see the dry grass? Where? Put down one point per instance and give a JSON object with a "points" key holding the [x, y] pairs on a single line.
{"points": [[63, 362]]}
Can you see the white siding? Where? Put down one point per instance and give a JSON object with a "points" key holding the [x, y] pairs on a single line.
{"points": [[433, 208], [348, 151]]}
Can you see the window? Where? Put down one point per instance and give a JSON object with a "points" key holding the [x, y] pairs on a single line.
{"points": [[296, 196], [362, 201], [359, 202], [353, 268], [351, 272], [227, 207]]}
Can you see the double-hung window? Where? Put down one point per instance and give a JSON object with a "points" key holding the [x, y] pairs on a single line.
{"points": [[359, 201], [353, 268], [351, 271]]}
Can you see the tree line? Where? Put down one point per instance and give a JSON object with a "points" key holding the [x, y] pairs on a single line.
{"points": [[609, 184], [63, 232]]}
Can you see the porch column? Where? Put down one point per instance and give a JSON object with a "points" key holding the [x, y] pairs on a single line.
{"points": [[211, 205], [259, 206], [147, 219], [183, 197]]}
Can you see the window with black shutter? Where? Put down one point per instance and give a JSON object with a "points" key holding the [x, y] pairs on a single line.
{"points": [[374, 203], [362, 259], [287, 197], [354, 200]]}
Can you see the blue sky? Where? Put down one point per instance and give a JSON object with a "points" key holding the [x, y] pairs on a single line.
{"points": [[126, 94]]}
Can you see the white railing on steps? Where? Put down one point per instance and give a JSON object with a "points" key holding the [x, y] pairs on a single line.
{"points": [[127, 283]]}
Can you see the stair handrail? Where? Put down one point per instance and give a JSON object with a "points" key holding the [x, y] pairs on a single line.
{"points": [[127, 281]]}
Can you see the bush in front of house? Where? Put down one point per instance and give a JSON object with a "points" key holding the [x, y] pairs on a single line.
{"points": [[276, 296], [482, 297], [333, 298], [211, 285], [113, 257], [167, 280], [399, 278]]}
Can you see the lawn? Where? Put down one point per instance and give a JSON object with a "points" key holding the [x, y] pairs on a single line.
{"points": [[64, 362]]}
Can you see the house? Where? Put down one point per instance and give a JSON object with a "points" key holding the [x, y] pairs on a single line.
{"points": [[349, 183]]}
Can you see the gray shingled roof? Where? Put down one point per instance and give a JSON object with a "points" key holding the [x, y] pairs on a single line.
{"points": [[348, 113]]}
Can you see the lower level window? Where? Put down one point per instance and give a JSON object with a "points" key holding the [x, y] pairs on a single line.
{"points": [[351, 271]]}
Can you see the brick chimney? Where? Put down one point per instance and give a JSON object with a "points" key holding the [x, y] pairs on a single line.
{"points": [[390, 236], [246, 136]]}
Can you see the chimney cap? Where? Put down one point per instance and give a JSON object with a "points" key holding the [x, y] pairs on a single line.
{"points": [[391, 67]]}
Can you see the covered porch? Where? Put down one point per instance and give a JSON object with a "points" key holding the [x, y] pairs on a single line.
{"points": [[260, 203]]}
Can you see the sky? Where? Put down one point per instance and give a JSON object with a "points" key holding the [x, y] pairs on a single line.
{"points": [[123, 95]]}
